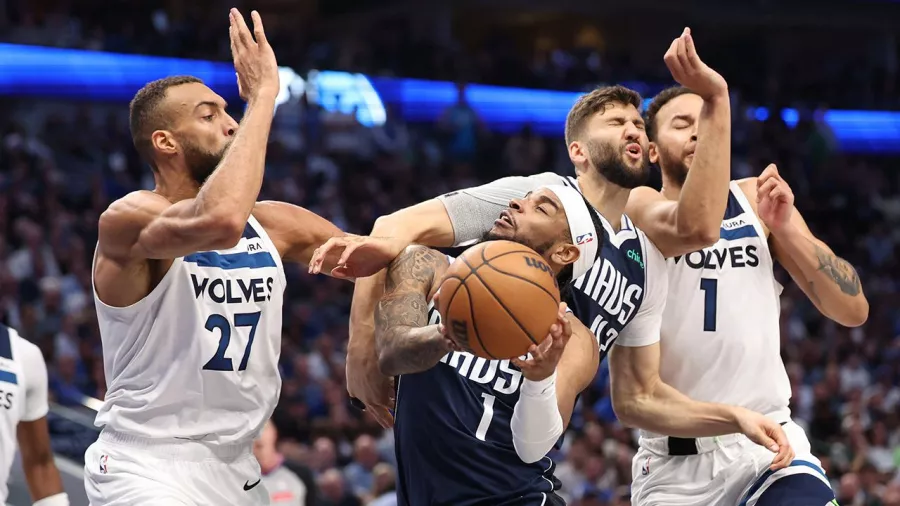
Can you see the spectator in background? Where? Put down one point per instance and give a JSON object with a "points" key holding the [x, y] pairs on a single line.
{"points": [[289, 484], [334, 491], [384, 486], [359, 473]]}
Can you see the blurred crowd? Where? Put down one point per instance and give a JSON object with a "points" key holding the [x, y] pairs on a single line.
{"points": [[62, 163], [575, 51]]}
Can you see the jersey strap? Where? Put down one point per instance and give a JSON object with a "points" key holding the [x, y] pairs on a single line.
{"points": [[5, 343]]}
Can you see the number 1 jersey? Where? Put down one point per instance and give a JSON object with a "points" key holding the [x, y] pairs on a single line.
{"points": [[197, 358], [721, 337]]}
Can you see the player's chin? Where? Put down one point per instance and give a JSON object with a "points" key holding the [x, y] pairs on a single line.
{"points": [[500, 233]]}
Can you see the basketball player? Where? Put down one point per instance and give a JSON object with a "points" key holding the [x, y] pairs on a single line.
{"points": [[23, 417], [188, 284], [622, 296], [472, 431], [722, 318]]}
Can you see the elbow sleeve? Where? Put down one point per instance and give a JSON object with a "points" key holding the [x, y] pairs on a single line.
{"points": [[536, 422]]}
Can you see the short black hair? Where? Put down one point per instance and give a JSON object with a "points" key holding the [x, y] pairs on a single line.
{"points": [[144, 116], [596, 101], [661, 99]]}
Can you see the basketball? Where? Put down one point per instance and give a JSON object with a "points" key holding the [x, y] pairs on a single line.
{"points": [[498, 298]]}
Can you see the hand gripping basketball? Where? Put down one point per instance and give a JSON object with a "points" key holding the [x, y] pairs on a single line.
{"points": [[545, 357]]}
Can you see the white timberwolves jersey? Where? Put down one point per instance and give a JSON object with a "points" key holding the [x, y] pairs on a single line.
{"points": [[197, 358], [23, 394], [720, 334]]}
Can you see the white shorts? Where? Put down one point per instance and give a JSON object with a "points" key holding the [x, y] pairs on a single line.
{"points": [[125, 470], [721, 474]]}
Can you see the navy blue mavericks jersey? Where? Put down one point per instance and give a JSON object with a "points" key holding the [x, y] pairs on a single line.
{"points": [[623, 294], [453, 439]]}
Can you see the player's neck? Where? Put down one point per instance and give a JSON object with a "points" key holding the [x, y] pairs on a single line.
{"points": [[671, 189], [608, 199], [175, 186]]}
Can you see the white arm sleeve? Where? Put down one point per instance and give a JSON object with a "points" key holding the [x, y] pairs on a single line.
{"points": [[645, 328], [536, 422], [35, 380], [473, 211]]}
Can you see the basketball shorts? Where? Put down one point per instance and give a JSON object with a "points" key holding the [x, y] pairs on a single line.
{"points": [[726, 471], [126, 470]]}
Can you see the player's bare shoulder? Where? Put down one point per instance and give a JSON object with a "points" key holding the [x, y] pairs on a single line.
{"points": [[121, 275]]}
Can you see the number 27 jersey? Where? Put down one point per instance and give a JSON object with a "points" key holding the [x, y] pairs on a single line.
{"points": [[197, 358]]}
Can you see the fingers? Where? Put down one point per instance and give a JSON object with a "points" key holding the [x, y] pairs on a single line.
{"points": [[348, 250], [518, 362], [690, 48], [681, 52], [671, 59], [258, 30], [766, 189], [770, 172], [566, 331], [244, 38], [382, 416]]}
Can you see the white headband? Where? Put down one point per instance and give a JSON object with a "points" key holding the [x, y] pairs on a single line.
{"points": [[581, 226]]}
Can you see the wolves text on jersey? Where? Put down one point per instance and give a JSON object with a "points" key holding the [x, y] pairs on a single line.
{"points": [[232, 291], [718, 257]]}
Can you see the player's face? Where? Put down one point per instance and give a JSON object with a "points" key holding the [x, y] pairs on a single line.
{"points": [[615, 145], [537, 221], [676, 136], [202, 128]]}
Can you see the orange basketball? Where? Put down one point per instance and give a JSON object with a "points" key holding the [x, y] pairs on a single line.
{"points": [[498, 298]]}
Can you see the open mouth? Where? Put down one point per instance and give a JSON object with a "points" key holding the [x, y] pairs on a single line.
{"points": [[505, 220], [634, 150]]}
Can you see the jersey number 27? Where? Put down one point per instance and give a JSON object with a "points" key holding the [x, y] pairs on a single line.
{"points": [[219, 362]]}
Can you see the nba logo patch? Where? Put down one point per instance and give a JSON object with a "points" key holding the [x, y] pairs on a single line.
{"points": [[103, 468], [584, 238], [645, 469]]}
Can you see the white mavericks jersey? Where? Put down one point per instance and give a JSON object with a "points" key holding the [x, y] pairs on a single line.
{"points": [[23, 394], [720, 335], [197, 358]]}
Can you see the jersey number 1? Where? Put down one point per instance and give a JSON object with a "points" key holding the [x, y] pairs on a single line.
{"points": [[710, 289], [486, 417], [219, 362]]}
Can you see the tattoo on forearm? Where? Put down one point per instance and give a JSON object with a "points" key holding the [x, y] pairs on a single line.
{"points": [[838, 270], [403, 309]]}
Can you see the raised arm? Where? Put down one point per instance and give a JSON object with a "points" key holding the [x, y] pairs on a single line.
{"points": [[829, 281], [692, 222], [145, 225], [404, 342], [560, 369]]}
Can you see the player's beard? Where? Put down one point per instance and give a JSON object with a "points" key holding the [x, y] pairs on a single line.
{"points": [[499, 236], [674, 168], [607, 159], [201, 163]]}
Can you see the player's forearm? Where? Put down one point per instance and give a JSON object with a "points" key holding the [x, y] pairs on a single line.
{"points": [[427, 224], [667, 411], [536, 423], [831, 281], [43, 479], [231, 191], [704, 197], [408, 350], [366, 293]]}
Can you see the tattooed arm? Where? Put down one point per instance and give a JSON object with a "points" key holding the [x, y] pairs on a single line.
{"points": [[404, 341], [829, 281]]}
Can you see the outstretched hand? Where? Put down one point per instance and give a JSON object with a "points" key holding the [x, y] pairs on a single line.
{"points": [[254, 60], [355, 256]]}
